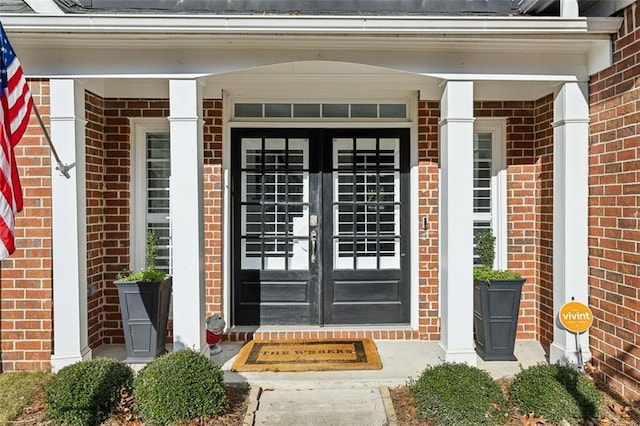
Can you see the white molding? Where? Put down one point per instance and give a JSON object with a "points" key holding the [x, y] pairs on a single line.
{"points": [[565, 121], [44, 6], [114, 24], [415, 226]]}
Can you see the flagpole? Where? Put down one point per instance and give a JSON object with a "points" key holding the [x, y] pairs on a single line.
{"points": [[62, 168]]}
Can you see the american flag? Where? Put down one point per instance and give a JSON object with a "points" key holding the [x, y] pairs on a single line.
{"points": [[15, 108]]}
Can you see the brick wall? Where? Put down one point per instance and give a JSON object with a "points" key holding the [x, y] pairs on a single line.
{"points": [[614, 211], [25, 277], [117, 200], [521, 200], [543, 112], [428, 134], [94, 113], [213, 206]]}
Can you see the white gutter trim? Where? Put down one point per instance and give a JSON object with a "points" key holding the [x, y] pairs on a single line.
{"points": [[219, 24], [44, 6]]}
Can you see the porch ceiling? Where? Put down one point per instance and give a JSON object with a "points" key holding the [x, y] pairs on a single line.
{"points": [[322, 80]]}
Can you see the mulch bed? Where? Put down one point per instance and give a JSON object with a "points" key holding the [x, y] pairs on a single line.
{"points": [[619, 412], [237, 396]]}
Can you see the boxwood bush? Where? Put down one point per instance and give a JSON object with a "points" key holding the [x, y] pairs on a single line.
{"points": [[179, 386], [557, 392], [458, 394], [85, 393]]}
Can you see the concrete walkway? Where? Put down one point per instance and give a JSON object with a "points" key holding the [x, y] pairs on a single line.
{"points": [[350, 398]]}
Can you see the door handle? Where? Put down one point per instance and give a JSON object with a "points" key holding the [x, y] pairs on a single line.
{"points": [[314, 244]]}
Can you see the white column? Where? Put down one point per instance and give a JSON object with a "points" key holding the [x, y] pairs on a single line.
{"points": [[569, 9], [187, 213], [570, 210], [69, 225], [456, 228]]}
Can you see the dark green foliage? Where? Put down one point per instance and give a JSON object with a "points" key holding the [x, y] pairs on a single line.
{"points": [[146, 275], [486, 247], [557, 392], [458, 394], [150, 273], [179, 386], [85, 393], [488, 274]]}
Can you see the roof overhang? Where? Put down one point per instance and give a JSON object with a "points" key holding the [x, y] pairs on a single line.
{"points": [[479, 47], [181, 25]]}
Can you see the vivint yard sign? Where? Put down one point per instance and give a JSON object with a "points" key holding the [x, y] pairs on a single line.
{"points": [[576, 317]]}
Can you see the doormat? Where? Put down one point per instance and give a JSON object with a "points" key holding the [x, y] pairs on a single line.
{"points": [[308, 355]]}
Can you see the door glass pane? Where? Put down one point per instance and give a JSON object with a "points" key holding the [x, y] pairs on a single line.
{"points": [[366, 209], [275, 203], [158, 170]]}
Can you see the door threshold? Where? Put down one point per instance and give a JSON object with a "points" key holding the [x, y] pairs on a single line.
{"points": [[280, 332]]}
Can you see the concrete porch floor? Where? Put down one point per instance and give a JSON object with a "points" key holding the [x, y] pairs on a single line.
{"points": [[402, 360]]}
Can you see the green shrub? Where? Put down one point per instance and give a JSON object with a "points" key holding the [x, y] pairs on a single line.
{"points": [[557, 392], [86, 393], [179, 386], [458, 394]]}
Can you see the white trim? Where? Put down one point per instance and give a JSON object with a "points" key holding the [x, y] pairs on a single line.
{"points": [[139, 127], [227, 210], [321, 124], [44, 6], [415, 228], [116, 24]]}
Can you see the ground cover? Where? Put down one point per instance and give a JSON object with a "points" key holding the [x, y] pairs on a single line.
{"points": [[22, 403]]}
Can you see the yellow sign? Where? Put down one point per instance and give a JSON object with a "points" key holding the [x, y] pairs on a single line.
{"points": [[576, 317]]}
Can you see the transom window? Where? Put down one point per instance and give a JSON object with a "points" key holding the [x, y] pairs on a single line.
{"points": [[354, 111]]}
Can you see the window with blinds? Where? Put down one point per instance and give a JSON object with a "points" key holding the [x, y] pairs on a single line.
{"points": [[158, 170], [489, 186], [482, 173]]}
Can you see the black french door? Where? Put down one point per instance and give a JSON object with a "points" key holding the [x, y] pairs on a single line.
{"points": [[319, 226]]}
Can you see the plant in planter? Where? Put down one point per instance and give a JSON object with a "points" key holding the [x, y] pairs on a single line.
{"points": [[144, 304], [496, 302]]}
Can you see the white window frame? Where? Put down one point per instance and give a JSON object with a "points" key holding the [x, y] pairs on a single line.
{"points": [[140, 127], [497, 128]]}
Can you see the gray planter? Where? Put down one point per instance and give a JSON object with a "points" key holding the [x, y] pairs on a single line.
{"points": [[145, 313], [495, 318]]}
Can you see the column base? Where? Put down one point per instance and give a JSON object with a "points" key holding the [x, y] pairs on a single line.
{"points": [[58, 362], [568, 355], [465, 356]]}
